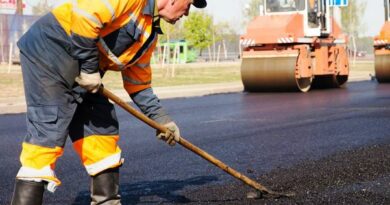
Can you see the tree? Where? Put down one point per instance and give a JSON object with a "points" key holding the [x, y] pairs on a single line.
{"points": [[351, 17], [224, 35], [198, 30], [171, 32], [365, 44], [252, 9], [222, 30], [41, 8]]}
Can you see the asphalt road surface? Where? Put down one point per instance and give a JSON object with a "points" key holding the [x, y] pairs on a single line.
{"points": [[327, 146]]}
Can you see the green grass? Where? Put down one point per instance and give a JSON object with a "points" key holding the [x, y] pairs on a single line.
{"points": [[184, 75]]}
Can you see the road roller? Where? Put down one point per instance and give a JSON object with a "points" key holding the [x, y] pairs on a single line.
{"points": [[382, 49], [293, 45]]}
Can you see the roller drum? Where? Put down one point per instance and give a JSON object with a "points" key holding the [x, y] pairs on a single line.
{"points": [[267, 74], [382, 68]]}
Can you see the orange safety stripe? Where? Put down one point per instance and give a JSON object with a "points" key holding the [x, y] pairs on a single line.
{"points": [[119, 64], [139, 73], [37, 157], [129, 54], [98, 152], [145, 24]]}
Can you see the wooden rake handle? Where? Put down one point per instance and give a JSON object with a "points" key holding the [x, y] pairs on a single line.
{"points": [[187, 144]]}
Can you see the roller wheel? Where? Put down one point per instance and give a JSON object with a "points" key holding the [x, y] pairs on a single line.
{"points": [[267, 74], [382, 68], [329, 81]]}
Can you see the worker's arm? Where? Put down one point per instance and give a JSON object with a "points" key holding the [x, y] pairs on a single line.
{"points": [[150, 105], [137, 82], [138, 76]]}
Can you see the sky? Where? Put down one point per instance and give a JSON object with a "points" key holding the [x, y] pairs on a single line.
{"points": [[231, 11]]}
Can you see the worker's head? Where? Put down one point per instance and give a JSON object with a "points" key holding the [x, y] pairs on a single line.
{"points": [[172, 10]]}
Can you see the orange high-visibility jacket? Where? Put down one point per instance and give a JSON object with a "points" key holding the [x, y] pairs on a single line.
{"points": [[113, 35]]}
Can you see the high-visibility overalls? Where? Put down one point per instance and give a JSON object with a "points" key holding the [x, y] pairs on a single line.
{"points": [[86, 36]]}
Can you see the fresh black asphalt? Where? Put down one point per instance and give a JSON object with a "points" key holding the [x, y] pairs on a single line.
{"points": [[255, 133]]}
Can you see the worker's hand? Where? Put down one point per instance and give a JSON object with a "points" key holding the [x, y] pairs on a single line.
{"points": [[173, 134], [89, 81]]}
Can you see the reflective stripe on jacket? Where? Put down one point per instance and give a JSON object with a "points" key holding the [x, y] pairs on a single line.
{"points": [[112, 35]]}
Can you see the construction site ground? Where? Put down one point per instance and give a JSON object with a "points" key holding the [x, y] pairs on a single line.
{"points": [[328, 146]]}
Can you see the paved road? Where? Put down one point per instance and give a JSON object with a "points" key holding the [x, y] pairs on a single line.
{"points": [[257, 134]]}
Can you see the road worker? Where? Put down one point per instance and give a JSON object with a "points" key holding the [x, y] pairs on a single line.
{"points": [[64, 55]]}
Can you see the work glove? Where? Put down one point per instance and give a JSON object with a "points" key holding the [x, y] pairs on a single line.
{"points": [[172, 135], [89, 81]]}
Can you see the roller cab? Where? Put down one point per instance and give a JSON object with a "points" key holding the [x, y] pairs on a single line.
{"points": [[292, 46]]}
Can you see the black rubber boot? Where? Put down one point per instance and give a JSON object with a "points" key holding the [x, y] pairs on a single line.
{"points": [[27, 193], [105, 188]]}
